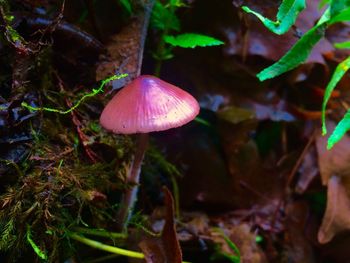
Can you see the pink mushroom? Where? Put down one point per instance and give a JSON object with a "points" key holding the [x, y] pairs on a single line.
{"points": [[147, 104]]}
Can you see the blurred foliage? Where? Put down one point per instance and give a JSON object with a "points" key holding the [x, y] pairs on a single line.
{"points": [[337, 11], [165, 20], [127, 6], [164, 17]]}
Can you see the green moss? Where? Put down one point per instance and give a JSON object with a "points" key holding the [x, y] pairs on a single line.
{"points": [[58, 190], [14, 36]]}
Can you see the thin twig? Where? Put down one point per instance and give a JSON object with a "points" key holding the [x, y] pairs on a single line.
{"points": [[300, 159], [292, 174], [130, 196], [146, 19]]}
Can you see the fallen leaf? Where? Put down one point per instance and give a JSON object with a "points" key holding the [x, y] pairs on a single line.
{"points": [[308, 170], [169, 238], [194, 225], [152, 251], [205, 182], [166, 248], [243, 239], [335, 161], [337, 215], [275, 112], [235, 115], [296, 242]]}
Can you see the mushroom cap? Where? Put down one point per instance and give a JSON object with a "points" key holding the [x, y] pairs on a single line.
{"points": [[148, 104]]}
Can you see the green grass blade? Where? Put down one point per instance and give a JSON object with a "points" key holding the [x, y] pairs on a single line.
{"points": [[337, 6], [339, 131], [341, 17], [296, 55], [35, 247], [286, 16], [323, 3], [342, 45], [339, 72]]}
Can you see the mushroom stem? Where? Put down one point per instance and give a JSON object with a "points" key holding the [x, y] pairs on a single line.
{"points": [[133, 178]]}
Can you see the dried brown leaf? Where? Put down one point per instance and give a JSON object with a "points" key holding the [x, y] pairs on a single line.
{"points": [[335, 161], [152, 250], [169, 238], [296, 243], [167, 247], [243, 238], [337, 215], [308, 170]]}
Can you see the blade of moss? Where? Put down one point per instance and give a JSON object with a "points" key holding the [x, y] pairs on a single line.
{"points": [[339, 72], [339, 131], [296, 55], [286, 16]]}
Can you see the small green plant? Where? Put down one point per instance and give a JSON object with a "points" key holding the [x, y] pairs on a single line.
{"points": [[164, 20], [336, 11], [235, 256]]}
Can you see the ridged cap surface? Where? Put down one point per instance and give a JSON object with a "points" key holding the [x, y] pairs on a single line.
{"points": [[148, 104]]}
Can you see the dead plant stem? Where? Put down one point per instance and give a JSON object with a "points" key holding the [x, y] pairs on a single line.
{"points": [[133, 178]]}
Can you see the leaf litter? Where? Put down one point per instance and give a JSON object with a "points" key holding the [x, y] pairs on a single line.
{"points": [[237, 200]]}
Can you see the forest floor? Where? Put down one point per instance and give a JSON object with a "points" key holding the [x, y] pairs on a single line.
{"points": [[249, 180]]}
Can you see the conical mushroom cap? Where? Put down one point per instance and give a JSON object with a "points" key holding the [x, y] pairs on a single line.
{"points": [[148, 104]]}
